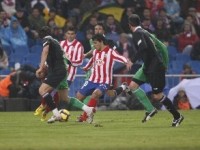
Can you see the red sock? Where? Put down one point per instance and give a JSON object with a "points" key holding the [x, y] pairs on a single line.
{"points": [[43, 102], [56, 98], [92, 102]]}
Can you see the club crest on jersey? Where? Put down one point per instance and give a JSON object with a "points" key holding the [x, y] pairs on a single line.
{"points": [[99, 62]]}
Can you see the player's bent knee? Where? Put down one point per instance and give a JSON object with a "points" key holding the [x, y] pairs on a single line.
{"points": [[158, 96], [133, 86]]}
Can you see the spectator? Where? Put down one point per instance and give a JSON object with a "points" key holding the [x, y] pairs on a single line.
{"points": [[8, 6], [54, 20], [37, 21], [19, 37], [86, 42], [154, 6], [92, 23], [39, 4], [3, 58], [172, 8], [189, 18], [87, 5], [163, 15], [124, 21], [161, 31], [187, 70], [113, 28], [181, 101], [124, 46], [186, 39], [148, 25], [146, 14], [195, 52], [4, 19], [196, 19], [23, 20]]}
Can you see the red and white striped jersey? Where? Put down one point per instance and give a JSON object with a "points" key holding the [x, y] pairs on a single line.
{"points": [[101, 65], [74, 51]]}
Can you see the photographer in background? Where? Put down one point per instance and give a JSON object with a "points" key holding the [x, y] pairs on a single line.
{"points": [[22, 83]]}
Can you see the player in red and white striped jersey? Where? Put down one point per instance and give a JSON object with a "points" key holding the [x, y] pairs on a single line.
{"points": [[101, 65], [74, 52]]}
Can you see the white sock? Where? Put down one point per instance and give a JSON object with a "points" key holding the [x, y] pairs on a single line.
{"points": [[123, 87], [56, 112], [86, 108]]}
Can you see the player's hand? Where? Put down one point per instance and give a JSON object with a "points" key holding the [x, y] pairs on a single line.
{"points": [[129, 65], [40, 73], [83, 69]]}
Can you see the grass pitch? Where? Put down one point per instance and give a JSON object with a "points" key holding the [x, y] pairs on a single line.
{"points": [[112, 130]]}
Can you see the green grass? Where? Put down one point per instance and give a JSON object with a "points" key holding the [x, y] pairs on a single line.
{"points": [[118, 130]]}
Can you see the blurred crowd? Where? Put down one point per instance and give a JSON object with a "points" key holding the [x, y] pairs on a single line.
{"points": [[175, 22]]}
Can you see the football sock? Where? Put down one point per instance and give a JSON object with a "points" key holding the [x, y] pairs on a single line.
{"points": [[140, 94], [86, 100], [118, 90], [49, 100], [170, 107], [92, 102], [43, 103], [56, 98], [86, 108], [56, 112], [75, 102]]}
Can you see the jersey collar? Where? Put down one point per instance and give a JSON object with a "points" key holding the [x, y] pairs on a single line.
{"points": [[138, 27]]}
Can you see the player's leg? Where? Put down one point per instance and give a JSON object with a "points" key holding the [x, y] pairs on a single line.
{"points": [[44, 91], [63, 94], [157, 80], [40, 108], [86, 90], [55, 96]]}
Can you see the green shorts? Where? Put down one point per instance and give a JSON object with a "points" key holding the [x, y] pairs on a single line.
{"points": [[63, 85], [140, 76]]}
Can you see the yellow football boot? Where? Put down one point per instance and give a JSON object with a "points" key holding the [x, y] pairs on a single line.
{"points": [[39, 110], [44, 116]]}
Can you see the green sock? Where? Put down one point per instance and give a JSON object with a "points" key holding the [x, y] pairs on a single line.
{"points": [[75, 103], [86, 100], [140, 94]]}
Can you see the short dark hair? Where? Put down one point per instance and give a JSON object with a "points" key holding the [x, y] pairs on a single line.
{"points": [[134, 20], [44, 31], [70, 28], [99, 38], [102, 25]]}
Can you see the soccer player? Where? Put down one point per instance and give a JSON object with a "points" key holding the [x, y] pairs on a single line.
{"points": [[155, 57], [52, 54], [74, 52], [98, 29], [101, 64]]}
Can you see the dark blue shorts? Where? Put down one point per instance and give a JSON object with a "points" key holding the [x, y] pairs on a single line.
{"points": [[89, 87]]}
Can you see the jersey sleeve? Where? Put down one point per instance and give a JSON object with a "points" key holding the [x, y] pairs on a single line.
{"points": [[139, 41], [118, 57], [46, 42]]}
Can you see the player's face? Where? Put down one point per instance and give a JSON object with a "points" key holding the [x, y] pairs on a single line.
{"points": [[70, 35], [98, 30], [97, 45]]}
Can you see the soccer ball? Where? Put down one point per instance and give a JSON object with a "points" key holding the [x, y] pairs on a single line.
{"points": [[64, 115]]}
